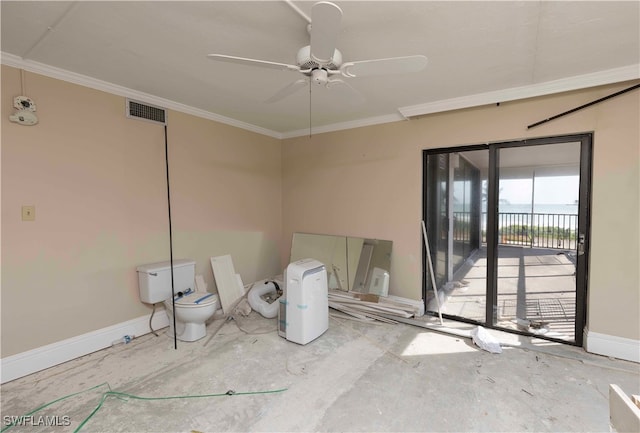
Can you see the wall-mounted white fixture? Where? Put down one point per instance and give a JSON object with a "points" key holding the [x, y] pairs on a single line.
{"points": [[26, 111]]}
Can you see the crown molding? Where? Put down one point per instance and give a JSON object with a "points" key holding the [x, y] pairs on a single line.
{"points": [[599, 78], [610, 76], [93, 83], [345, 125]]}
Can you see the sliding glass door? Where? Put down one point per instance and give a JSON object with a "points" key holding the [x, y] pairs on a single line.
{"points": [[507, 225]]}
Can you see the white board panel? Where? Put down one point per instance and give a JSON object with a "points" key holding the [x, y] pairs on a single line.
{"points": [[230, 290]]}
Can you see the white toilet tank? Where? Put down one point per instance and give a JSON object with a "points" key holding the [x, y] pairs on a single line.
{"points": [[154, 279]]}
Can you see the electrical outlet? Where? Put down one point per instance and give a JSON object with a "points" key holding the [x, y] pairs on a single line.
{"points": [[28, 213]]}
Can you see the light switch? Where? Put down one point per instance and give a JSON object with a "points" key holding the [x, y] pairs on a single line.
{"points": [[28, 213]]}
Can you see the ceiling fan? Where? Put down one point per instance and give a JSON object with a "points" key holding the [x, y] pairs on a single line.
{"points": [[321, 63]]}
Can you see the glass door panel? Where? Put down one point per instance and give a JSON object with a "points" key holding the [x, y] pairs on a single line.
{"points": [[537, 218], [455, 221], [437, 197]]}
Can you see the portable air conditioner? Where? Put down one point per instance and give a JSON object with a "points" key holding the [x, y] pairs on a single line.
{"points": [[303, 315]]}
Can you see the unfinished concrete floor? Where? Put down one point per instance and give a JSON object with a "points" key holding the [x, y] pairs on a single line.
{"points": [[356, 377]]}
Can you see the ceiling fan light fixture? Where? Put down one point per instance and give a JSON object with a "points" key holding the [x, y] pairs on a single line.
{"points": [[319, 76]]}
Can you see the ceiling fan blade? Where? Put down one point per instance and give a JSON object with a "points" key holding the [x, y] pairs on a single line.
{"points": [[288, 90], [393, 65], [325, 27], [347, 92], [253, 62]]}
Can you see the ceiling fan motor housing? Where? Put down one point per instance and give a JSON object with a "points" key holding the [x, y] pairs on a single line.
{"points": [[305, 60]]}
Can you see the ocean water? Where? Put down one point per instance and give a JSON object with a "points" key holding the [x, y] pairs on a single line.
{"points": [[545, 215], [561, 209]]}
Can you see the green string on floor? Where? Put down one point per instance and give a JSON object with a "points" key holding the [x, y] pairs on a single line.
{"points": [[123, 395], [14, 422]]}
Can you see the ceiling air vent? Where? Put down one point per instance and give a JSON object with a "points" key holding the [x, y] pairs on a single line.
{"points": [[138, 110]]}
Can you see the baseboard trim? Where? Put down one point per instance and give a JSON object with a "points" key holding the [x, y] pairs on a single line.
{"points": [[31, 361], [610, 345]]}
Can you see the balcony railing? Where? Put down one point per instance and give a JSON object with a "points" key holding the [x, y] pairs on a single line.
{"points": [[542, 230]]}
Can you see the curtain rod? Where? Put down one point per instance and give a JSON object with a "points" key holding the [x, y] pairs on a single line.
{"points": [[573, 110]]}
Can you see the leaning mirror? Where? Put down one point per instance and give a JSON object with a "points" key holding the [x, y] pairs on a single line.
{"points": [[353, 264]]}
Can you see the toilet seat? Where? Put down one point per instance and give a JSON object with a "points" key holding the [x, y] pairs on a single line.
{"points": [[197, 299]]}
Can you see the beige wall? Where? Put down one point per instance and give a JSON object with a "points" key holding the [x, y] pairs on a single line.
{"points": [[367, 182], [97, 180]]}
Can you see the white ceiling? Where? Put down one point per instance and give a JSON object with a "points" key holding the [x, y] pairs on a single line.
{"points": [[479, 53]]}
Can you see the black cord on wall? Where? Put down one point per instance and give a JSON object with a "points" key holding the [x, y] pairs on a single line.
{"points": [[173, 295]]}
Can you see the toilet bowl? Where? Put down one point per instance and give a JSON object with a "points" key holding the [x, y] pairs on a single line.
{"points": [[192, 312], [157, 283]]}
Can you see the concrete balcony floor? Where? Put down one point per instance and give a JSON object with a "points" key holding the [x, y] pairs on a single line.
{"points": [[536, 291]]}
